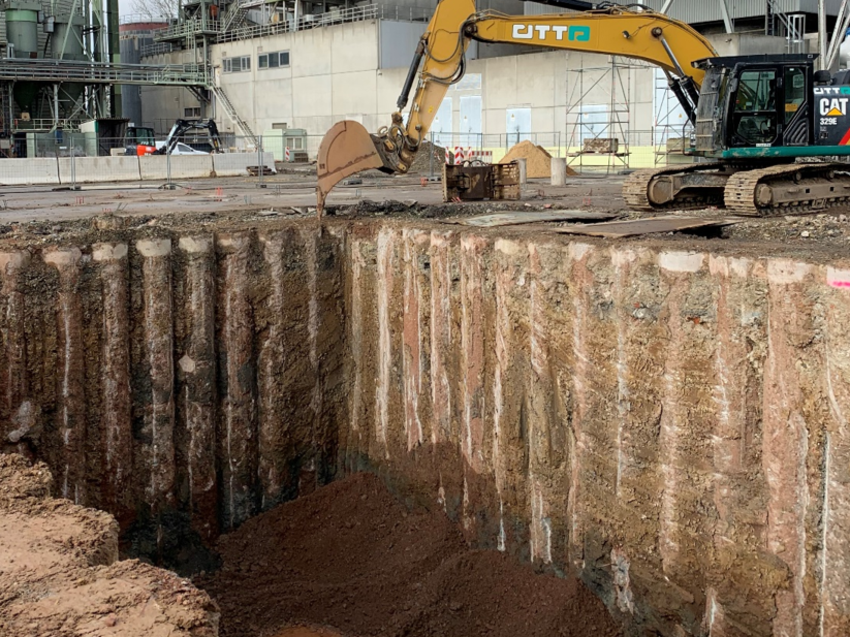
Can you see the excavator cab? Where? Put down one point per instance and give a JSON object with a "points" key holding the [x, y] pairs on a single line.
{"points": [[750, 103]]}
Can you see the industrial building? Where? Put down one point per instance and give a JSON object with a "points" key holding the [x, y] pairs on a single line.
{"points": [[296, 65], [287, 70]]}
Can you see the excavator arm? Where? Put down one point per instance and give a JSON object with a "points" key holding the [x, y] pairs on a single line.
{"points": [[182, 125], [440, 60]]}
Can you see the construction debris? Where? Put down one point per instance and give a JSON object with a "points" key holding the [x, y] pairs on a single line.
{"points": [[474, 183], [538, 160]]}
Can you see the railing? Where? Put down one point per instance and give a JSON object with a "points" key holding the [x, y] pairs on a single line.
{"points": [[158, 48], [206, 26], [233, 113], [48, 124], [405, 14], [353, 14], [140, 18], [188, 28], [235, 15], [103, 73], [792, 25]]}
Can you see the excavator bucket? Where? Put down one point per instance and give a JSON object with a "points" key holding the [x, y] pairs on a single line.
{"points": [[347, 148]]}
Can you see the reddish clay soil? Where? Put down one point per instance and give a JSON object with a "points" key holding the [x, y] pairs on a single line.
{"points": [[351, 557]]}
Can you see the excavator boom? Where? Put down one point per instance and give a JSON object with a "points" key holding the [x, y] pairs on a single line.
{"points": [[440, 60]]}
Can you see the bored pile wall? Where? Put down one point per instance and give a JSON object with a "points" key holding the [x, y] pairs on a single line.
{"points": [[667, 424], [185, 372]]}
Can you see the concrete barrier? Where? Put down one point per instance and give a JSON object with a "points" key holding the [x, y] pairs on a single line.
{"points": [[182, 166], [236, 164], [24, 172], [98, 169]]}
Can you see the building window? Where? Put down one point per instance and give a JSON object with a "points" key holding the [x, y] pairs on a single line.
{"points": [[273, 60], [237, 64], [193, 112]]}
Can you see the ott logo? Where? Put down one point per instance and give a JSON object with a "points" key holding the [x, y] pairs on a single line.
{"points": [[574, 33]]}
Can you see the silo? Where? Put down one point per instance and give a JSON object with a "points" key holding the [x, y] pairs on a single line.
{"points": [[22, 34], [66, 43]]}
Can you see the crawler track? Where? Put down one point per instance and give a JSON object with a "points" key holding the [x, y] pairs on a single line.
{"points": [[742, 190], [636, 186]]}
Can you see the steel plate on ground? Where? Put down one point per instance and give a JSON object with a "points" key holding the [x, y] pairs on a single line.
{"points": [[516, 218], [635, 227]]}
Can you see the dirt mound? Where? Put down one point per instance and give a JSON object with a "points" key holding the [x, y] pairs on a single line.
{"points": [[59, 575], [422, 164], [350, 556], [538, 160]]}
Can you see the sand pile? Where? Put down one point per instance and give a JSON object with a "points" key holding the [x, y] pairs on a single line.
{"points": [[538, 160], [352, 557]]}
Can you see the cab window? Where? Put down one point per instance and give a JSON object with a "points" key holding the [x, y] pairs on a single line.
{"points": [[795, 89], [755, 108]]}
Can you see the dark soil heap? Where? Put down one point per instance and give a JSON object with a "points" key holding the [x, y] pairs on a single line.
{"points": [[352, 557]]}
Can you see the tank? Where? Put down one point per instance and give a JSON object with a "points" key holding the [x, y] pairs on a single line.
{"points": [[66, 43], [22, 34]]}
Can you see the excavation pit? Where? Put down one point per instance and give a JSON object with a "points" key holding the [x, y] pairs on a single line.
{"points": [[662, 418]]}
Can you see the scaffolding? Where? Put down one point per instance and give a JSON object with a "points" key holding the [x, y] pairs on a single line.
{"points": [[599, 116], [672, 130]]}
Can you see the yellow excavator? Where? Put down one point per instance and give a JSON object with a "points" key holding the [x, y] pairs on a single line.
{"points": [[755, 117]]}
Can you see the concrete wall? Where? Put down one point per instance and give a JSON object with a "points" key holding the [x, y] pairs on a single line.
{"points": [[746, 44]]}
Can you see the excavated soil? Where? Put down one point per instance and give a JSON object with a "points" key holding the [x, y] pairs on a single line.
{"points": [[59, 575], [352, 557]]}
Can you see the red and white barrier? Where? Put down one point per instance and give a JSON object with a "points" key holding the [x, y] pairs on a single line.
{"points": [[286, 154], [485, 156], [461, 154]]}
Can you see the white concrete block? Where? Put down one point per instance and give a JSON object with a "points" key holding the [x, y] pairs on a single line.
{"points": [[236, 164], [99, 169], [155, 167], [24, 172]]}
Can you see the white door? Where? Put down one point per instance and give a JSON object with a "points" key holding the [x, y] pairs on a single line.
{"points": [[518, 125], [470, 121]]}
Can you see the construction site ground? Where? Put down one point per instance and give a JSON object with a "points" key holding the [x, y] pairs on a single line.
{"points": [[37, 209], [274, 573]]}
